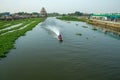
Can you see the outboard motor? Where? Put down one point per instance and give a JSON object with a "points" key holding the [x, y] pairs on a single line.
{"points": [[60, 37]]}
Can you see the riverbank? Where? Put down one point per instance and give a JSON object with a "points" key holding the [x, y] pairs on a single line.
{"points": [[84, 54], [71, 18], [8, 39], [112, 26]]}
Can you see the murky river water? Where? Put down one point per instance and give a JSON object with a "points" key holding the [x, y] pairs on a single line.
{"points": [[92, 55]]}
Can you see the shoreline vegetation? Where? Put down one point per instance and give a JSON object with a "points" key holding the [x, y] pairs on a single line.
{"points": [[72, 18], [111, 26], [9, 36], [8, 39]]}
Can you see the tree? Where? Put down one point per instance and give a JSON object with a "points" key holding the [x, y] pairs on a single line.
{"points": [[77, 13]]}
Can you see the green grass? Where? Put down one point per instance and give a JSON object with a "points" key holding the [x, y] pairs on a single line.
{"points": [[15, 28], [7, 41], [72, 18], [12, 22]]}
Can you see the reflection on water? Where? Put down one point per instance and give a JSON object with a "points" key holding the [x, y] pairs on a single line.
{"points": [[108, 33], [113, 34]]}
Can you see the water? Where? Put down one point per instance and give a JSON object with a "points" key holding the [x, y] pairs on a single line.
{"points": [[40, 56], [51, 27]]}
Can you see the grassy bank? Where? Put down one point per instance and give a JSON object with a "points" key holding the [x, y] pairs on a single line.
{"points": [[111, 26], [24, 22], [72, 18], [7, 41], [5, 24]]}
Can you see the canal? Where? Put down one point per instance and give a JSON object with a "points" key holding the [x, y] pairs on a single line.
{"points": [[84, 54]]}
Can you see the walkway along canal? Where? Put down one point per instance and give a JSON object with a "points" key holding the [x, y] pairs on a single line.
{"points": [[84, 54]]}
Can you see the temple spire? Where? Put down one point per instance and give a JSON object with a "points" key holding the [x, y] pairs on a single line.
{"points": [[43, 12]]}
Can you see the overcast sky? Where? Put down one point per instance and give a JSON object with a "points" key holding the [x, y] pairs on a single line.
{"points": [[60, 6]]}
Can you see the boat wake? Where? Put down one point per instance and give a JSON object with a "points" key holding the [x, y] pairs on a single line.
{"points": [[51, 28]]}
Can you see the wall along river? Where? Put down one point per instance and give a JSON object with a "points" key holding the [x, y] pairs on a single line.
{"points": [[84, 54]]}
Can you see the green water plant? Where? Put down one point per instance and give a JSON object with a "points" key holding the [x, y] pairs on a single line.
{"points": [[5, 24], [79, 34], [94, 28], [25, 22], [85, 26], [72, 18], [7, 41]]}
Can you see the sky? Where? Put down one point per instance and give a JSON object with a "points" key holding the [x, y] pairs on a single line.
{"points": [[61, 6]]}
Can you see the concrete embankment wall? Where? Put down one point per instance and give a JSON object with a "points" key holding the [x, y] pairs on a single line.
{"points": [[114, 26]]}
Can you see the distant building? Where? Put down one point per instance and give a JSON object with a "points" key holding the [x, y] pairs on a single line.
{"points": [[5, 16], [35, 14], [43, 12]]}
